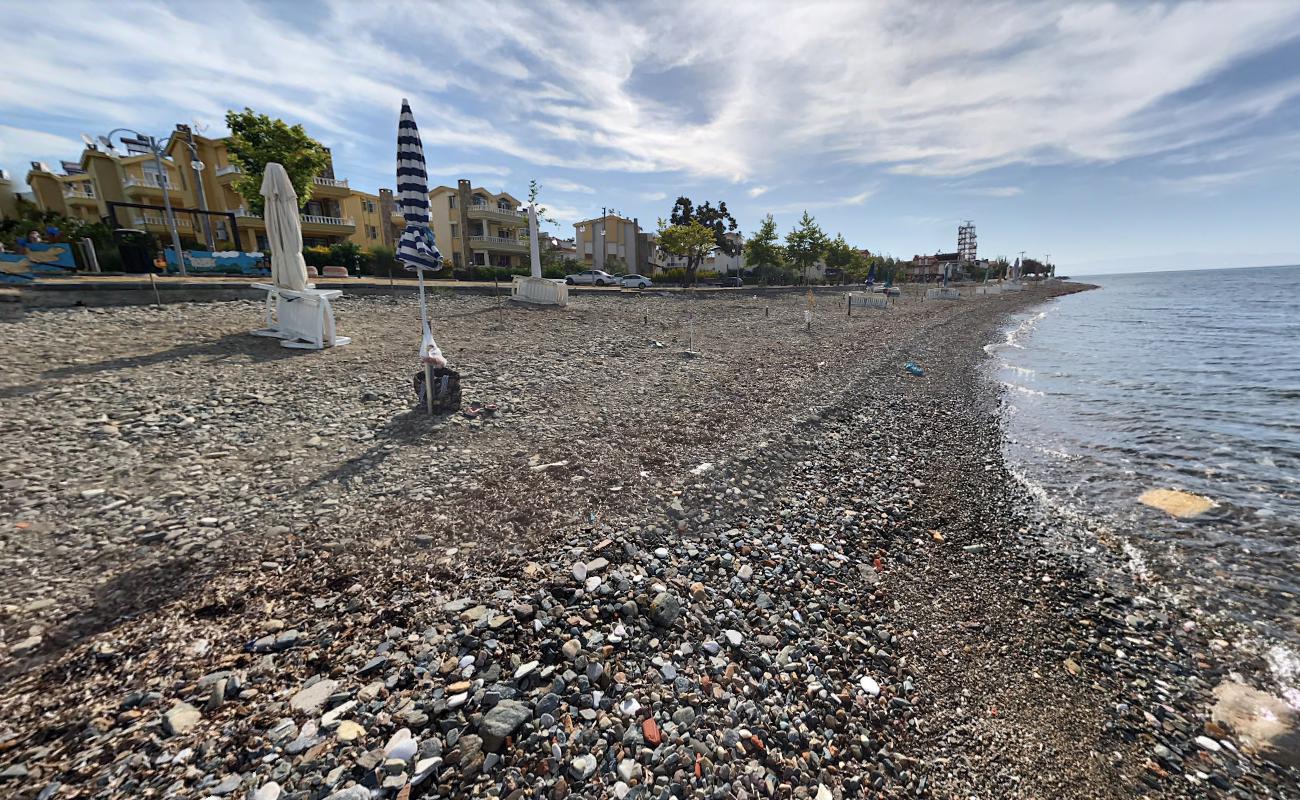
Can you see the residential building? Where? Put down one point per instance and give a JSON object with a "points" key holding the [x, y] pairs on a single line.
{"points": [[474, 226], [614, 244], [566, 248], [125, 188], [8, 196], [723, 264]]}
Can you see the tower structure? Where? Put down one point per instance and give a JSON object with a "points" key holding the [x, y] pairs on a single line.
{"points": [[966, 242]]}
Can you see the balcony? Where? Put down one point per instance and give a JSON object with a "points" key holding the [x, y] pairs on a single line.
{"points": [[75, 193], [149, 181], [307, 219], [229, 169], [160, 221], [488, 211], [499, 243], [331, 187], [316, 219]]}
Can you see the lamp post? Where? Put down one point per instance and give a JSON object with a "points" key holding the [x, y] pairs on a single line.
{"points": [[197, 165], [157, 150]]}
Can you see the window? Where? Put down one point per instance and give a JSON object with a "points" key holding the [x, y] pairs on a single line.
{"points": [[455, 231], [372, 232], [455, 259], [451, 201], [368, 205]]}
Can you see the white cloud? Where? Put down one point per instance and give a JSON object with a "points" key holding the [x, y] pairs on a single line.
{"points": [[654, 197], [468, 170], [20, 146], [898, 85], [992, 191], [565, 185]]}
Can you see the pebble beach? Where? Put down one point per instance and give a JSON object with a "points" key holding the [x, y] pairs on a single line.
{"points": [[689, 547]]}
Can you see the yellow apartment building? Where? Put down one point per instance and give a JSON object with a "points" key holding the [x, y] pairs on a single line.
{"points": [[475, 226], [614, 244], [125, 189]]}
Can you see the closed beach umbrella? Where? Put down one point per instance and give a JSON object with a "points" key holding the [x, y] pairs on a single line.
{"points": [[416, 248], [283, 229]]}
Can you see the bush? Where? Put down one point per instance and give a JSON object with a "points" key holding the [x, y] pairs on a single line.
{"points": [[677, 275], [475, 272], [317, 256]]}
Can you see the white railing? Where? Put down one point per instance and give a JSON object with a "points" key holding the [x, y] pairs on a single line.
{"points": [[160, 220], [505, 212], [71, 191], [316, 219], [497, 241], [229, 169], [150, 179], [341, 184]]}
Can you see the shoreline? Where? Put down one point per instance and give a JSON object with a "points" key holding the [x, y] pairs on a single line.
{"points": [[842, 599]]}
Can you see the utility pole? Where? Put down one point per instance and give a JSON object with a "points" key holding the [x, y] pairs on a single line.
{"points": [[156, 149], [197, 166]]}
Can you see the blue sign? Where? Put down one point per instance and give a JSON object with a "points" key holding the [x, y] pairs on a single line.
{"points": [[201, 262], [41, 259]]}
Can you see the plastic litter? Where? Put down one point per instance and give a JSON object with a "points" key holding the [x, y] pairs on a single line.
{"points": [[914, 368]]}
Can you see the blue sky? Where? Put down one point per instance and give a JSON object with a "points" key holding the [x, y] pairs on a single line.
{"points": [[1115, 137]]}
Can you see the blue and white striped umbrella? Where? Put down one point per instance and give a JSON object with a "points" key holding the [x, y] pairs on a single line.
{"points": [[416, 249]]}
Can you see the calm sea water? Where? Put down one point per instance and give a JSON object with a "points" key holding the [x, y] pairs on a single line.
{"points": [[1184, 380]]}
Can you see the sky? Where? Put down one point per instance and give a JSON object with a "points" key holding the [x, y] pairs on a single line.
{"points": [[1110, 137]]}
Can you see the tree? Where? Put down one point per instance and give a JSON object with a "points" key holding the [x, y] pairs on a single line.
{"points": [[805, 244], [845, 259], [256, 140], [763, 251], [718, 221], [692, 241], [534, 189]]}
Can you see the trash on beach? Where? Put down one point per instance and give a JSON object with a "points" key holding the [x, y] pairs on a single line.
{"points": [[914, 368], [1183, 505], [703, 468]]}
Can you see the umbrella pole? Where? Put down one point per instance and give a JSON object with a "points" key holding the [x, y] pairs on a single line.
{"points": [[428, 388]]}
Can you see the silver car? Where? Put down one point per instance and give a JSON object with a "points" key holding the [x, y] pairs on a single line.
{"points": [[635, 281], [591, 277]]}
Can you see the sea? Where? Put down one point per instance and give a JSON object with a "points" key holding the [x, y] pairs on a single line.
{"points": [[1184, 380]]}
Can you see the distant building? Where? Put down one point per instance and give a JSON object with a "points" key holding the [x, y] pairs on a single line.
{"points": [[473, 225], [721, 263], [615, 244], [8, 196]]}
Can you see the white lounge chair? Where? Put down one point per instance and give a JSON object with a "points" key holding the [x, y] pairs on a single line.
{"points": [[301, 319]]}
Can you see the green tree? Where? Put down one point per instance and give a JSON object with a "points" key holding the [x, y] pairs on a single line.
{"points": [[534, 189], [256, 140], [805, 244], [718, 221], [846, 259], [763, 251], [692, 241]]}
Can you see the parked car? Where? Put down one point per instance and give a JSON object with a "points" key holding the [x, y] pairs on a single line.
{"points": [[731, 280], [591, 277], [635, 281]]}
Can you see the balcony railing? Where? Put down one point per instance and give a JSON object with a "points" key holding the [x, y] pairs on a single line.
{"points": [[160, 220], [335, 182], [229, 169], [496, 241], [150, 180], [314, 219], [87, 193], [498, 210]]}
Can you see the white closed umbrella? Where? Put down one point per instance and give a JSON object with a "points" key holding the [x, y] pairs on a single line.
{"points": [[283, 229]]}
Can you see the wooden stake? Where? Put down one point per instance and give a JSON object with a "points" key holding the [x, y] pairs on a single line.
{"points": [[156, 299], [428, 388]]}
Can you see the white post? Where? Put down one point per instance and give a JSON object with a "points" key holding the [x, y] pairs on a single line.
{"points": [[428, 388], [534, 248]]}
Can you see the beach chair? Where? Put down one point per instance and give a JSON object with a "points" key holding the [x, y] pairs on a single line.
{"points": [[301, 319]]}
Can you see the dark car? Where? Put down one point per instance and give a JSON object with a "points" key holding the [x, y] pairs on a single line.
{"points": [[731, 280]]}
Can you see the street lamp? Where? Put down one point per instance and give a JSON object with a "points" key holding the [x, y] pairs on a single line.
{"points": [[157, 149]]}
